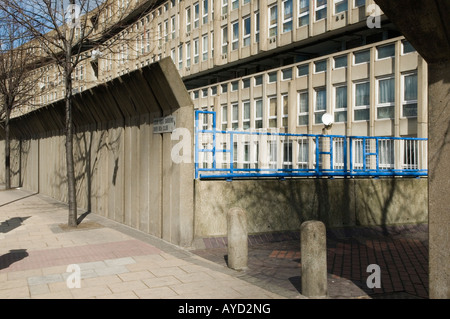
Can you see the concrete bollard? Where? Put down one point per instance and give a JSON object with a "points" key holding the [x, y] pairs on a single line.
{"points": [[237, 238], [314, 259]]}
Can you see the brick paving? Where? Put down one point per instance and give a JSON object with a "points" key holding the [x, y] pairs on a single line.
{"points": [[116, 261], [400, 251]]}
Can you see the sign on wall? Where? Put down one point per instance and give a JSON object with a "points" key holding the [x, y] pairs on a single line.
{"points": [[164, 124]]}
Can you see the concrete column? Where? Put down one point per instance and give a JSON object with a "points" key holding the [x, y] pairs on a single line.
{"points": [[237, 238], [314, 259], [438, 181]]}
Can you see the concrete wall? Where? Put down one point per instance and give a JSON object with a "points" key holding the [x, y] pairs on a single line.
{"points": [[275, 205], [123, 170]]}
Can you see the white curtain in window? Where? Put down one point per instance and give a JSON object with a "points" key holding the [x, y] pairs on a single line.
{"points": [[341, 97], [411, 87], [386, 91], [321, 100], [362, 94], [304, 6]]}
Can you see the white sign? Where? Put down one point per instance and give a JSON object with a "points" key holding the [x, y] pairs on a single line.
{"points": [[164, 124]]}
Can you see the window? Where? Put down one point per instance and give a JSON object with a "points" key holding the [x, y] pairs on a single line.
{"points": [[166, 30], [160, 33], [196, 51], [213, 90], [258, 80], [234, 116], [287, 15], [362, 56], [234, 4], [340, 6], [320, 106], [180, 57], [258, 113], [340, 62], [273, 154], [188, 54], [303, 153], [196, 15], [409, 108], [224, 117], [273, 21], [224, 6], [407, 47], [172, 27], [362, 101], [234, 86], [320, 66], [257, 27], [286, 74], [303, 108], [272, 77], [224, 88], [285, 109], [205, 11], [224, 40], [188, 19], [320, 9], [235, 36], [246, 31], [273, 111], [386, 153], [386, 98], [302, 70], [385, 51], [360, 3], [287, 154], [303, 12], [205, 47], [340, 107], [246, 115], [195, 94], [246, 83], [212, 44]]}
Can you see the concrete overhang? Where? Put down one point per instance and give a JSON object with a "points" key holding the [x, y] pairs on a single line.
{"points": [[424, 23], [155, 89]]}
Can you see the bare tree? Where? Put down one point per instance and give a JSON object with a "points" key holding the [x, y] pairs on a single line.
{"points": [[68, 33], [16, 86]]}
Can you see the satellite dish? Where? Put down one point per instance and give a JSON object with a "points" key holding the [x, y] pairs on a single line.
{"points": [[327, 119]]}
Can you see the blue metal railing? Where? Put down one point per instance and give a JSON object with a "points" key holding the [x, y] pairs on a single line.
{"points": [[221, 154]]}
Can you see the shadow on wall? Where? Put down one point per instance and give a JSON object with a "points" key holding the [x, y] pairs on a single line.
{"points": [[282, 205]]}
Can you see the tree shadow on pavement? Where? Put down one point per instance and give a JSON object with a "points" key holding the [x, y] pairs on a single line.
{"points": [[13, 256]]}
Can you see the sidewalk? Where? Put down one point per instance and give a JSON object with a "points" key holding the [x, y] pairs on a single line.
{"points": [[119, 262]]}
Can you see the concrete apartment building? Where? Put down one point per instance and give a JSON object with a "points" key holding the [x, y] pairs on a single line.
{"points": [[267, 66]]}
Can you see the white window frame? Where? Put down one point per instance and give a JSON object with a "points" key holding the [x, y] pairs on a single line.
{"points": [[299, 110], [234, 36], [259, 119], [274, 117], [196, 7], [319, 8], [273, 26], [196, 50], [286, 21], [205, 47], [341, 109], [405, 102], [303, 15], [246, 121], [188, 54], [224, 35], [246, 34], [316, 111], [360, 107], [385, 45], [205, 8], [383, 105], [284, 110], [188, 19], [234, 121], [224, 120]]}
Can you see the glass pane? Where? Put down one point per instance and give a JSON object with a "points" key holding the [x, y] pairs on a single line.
{"points": [[272, 77], [303, 70], [246, 110], [340, 116], [341, 97], [386, 51], [385, 112], [246, 83], [340, 62], [407, 47], [258, 108], [362, 115], [362, 94], [321, 100], [303, 103], [410, 110], [410, 90], [386, 91], [341, 6], [320, 66], [287, 74], [303, 120], [273, 107], [362, 57], [258, 80]]}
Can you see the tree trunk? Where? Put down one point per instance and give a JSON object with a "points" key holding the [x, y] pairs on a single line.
{"points": [[7, 150], [71, 185]]}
